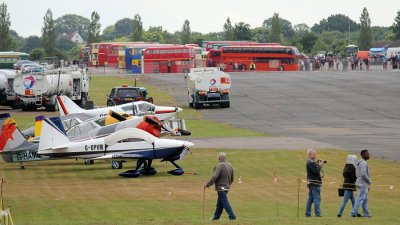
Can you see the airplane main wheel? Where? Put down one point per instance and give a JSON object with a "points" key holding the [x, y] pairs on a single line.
{"points": [[144, 164], [88, 162], [116, 164]]}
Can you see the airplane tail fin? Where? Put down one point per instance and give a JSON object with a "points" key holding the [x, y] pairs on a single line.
{"points": [[57, 121], [11, 138], [67, 106], [38, 125], [53, 138]]}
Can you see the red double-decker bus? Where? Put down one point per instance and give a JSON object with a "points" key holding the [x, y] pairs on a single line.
{"points": [[168, 59], [208, 45], [265, 57], [214, 55]]}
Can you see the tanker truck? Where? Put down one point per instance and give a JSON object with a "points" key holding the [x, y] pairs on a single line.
{"points": [[7, 93], [36, 90], [208, 86]]}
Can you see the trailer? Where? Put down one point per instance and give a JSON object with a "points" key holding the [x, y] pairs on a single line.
{"points": [[208, 86], [36, 90]]}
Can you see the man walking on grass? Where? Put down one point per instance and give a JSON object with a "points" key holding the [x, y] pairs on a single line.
{"points": [[222, 178]]}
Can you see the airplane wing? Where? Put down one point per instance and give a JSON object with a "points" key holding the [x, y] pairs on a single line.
{"points": [[126, 155], [129, 133]]}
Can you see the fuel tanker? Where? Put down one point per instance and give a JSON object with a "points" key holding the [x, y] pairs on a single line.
{"points": [[36, 90], [7, 93]]}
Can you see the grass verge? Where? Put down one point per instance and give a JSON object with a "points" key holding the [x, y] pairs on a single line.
{"points": [[68, 192]]}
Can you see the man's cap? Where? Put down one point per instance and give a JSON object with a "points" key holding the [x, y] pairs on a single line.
{"points": [[222, 154]]}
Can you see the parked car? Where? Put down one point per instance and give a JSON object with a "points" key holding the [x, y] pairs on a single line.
{"points": [[124, 94]]}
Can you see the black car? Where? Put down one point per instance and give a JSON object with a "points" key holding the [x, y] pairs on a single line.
{"points": [[124, 94]]}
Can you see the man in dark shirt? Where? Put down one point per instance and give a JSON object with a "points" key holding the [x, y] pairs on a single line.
{"points": [[222, 178], [314, 182]]}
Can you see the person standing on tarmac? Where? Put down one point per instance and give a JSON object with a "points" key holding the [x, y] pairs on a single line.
{"points": [[222, 178], [252, 66]]}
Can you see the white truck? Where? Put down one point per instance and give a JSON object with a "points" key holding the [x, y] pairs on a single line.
{"points": [[208, 86], [35, 90], [7, 93]]}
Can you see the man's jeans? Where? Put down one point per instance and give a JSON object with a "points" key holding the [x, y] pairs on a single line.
{"points": [[222, 204], [347, 195], [362, 199], [314, 196]]}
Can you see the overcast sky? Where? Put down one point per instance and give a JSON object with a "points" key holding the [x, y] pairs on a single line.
{"points": [[204, 15]]}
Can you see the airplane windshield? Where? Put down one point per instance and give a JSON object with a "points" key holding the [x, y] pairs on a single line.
{"points": [[146, 107], [82, 129], [141, 108], [70, 123]]}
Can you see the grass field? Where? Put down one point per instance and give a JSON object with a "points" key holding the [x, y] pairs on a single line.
{"points": [[68, 192]]}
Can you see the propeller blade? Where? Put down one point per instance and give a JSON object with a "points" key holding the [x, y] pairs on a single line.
{"points": [[116, 116]]}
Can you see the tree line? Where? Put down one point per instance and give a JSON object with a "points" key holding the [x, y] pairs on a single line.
{"points": [[331, 34]]}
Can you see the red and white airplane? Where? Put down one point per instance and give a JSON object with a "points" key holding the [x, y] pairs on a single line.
{"points": [[139, 108]]}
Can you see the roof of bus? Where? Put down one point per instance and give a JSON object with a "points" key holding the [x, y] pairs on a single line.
{"points": [[13, 53], [256, 46], [169, 47]]}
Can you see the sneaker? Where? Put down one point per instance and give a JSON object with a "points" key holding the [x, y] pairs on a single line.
{"points": [[214, 218], [339, 215]]}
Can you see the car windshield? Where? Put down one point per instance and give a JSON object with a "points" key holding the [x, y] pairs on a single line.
{"points": [[128, 93]]}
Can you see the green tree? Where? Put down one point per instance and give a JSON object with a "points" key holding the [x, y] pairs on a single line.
{"points": [[36, 54], [276, 29], [301, 28], [137, 31], [260, 34], [74, 53], [94, 28], [123, 27], [64, 43], [338, 22], [242, 32], [5, 23], [286, 27], [308, 40], [109, 33], [365, 39], [171, 38], [396, 26], [228, 30], [70, 23], [153, 34], [186, 32], [49, 34], [318, 46], [31, 42]]}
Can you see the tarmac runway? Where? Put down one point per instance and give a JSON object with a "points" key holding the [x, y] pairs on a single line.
{"points": [[353, 110]]}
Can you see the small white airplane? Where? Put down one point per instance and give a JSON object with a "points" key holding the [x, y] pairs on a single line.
{"points": [[127, 143], [139, 108]]}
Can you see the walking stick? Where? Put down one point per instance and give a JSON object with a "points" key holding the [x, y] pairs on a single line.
{"points": [[298, 197], [204, 196]]}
